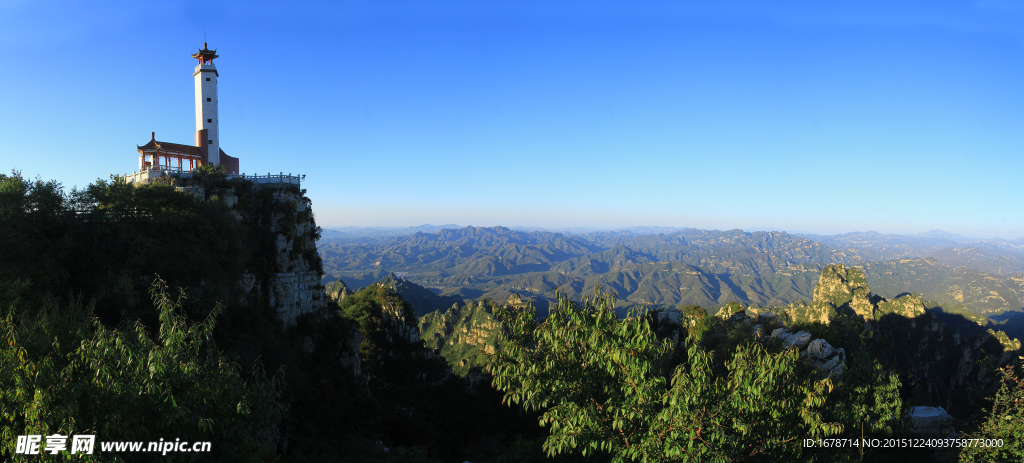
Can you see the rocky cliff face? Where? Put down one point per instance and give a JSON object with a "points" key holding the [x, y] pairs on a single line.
{"points": [[465, 335], [295, 288], [286, 268], [337, 291], [842, 290], [423, 300]]}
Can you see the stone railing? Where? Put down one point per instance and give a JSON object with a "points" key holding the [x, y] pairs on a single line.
{"points": [[151, 173], [282, 177]]}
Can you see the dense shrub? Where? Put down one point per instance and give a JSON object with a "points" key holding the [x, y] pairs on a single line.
{"points": [[61, 371]]}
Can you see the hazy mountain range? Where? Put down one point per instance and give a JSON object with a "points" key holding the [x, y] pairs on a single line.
{"points": [[1003, 257], [688, 266]]}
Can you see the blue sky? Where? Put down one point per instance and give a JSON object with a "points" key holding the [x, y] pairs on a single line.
{"points": [[826, 117]]}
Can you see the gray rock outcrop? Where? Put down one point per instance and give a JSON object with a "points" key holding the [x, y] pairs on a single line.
{"points": [[799, 339], [831, 362], [825, 358], [931, 421]]}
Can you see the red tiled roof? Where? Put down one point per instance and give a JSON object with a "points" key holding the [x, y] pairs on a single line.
{"points": [[154, 145]]}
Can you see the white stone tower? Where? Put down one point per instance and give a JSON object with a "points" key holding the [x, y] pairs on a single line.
{"points": [[207, 122]]}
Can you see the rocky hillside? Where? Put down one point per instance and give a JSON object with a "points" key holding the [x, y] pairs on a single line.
{"points": [[986, 257], [941, 365], [465, 335], [423, 300], [948, 286], [950, 368]]}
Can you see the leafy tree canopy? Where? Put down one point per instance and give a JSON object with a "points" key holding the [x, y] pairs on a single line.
{"points": [[601, 385]]}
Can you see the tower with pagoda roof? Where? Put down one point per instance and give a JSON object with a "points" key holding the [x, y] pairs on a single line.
{"points": [[156, 157], [207, 121], [291, 285]]}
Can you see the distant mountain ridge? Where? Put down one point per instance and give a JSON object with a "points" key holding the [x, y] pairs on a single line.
{"points": [[348, 233], [693, 266], [1004, 257], [689, 266]]}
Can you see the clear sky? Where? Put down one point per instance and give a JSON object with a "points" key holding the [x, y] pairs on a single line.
{"points": [[826, 117]]}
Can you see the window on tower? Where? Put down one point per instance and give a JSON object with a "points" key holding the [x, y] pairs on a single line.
{"points": [[209, 120], [207, 79], [208, 99], [210, 142]]}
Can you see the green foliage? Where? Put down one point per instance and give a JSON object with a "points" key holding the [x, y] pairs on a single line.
{"points": [[692, 312], [34, 219], [405, 398], [598, 382], [531, 450], [422, 300], [594, 376], [108, 240], [697, 321], [62, 372], [211, 173], [761, 409], [864, 399], [869, 398], [1005, 421]]}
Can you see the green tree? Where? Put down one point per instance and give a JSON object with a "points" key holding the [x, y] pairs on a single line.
{"points": [[594, 376], [599, 383], [869, 398], [759, 410]]}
